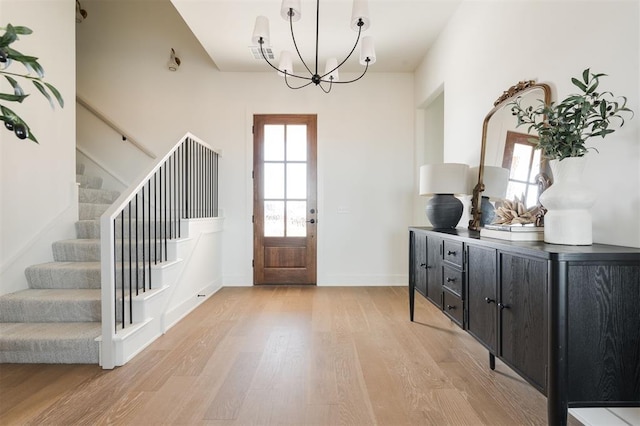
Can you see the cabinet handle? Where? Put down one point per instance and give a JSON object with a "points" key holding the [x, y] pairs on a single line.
{"points": [[503, 306], [450, 307], [451, 280], [422, 265], [451, 253], [488, 300]]}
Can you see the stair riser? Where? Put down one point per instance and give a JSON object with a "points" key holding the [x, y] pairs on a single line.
{"points": [[88, 211], [50, 278], [91, 229], [62, 352], [99, 196], [49, 311], [72, 252], [91, 182]]}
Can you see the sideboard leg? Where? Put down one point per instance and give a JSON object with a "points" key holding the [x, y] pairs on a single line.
{"points": [[557, 392], [412, 297], [492, 361]]}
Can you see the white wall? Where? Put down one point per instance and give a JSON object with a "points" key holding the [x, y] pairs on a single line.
{"points": [[365, 136], [490, 45], [37, 184]]}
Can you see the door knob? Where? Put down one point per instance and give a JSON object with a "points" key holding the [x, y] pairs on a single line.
{"points": [[489, 300], [312, 221]]}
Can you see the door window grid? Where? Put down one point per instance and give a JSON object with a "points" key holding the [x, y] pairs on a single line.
{"points": [[285, 186]]}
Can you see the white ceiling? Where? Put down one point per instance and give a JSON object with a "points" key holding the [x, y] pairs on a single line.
{"points": [[403, 31]]}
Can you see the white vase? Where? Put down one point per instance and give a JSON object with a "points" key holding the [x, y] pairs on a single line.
{"points": [[568, 218]]}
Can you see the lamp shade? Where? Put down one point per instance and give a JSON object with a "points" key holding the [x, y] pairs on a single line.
{"points": [[360, 11], [444, 178], [288, 5], [286, 63], [331, 70], [261, 30], [367, 51], [495, 181]]}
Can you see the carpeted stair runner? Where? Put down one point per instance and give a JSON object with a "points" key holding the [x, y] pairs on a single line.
{"points": [[57, 320]]}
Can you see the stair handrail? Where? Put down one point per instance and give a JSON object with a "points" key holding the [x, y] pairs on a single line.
{"points": [[184, 149], [125, 136]]}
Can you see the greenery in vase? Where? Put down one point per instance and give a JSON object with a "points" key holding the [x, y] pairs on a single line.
{"points": [[8, 55], [564, 127]]}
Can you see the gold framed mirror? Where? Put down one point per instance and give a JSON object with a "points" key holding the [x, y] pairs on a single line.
{"points": [[507, 146]]}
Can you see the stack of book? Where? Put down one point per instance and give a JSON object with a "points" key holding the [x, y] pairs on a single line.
{"points": [[517, 232]]}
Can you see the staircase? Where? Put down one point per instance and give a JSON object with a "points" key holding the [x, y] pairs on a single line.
{"points": [[57, 320]]}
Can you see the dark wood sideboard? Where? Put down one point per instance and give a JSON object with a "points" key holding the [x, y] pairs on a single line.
{"points": [[565, 318]]}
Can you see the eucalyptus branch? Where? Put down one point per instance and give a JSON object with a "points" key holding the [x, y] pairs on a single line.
{"points": [[8, 55], [563, 128]]}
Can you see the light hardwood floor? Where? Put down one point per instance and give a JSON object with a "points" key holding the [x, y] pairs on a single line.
{"points": [[286, 355]]}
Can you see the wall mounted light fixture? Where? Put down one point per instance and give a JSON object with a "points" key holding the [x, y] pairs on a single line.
{"points": [[174, 61], [81, 14]]}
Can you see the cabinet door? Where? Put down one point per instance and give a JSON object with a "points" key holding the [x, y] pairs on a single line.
{"points": [[419, 261], [522, 309], [434, 270], [482, 313]]}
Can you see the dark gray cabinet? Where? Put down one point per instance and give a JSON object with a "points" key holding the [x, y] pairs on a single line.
{"points": [[434, 269], [566, 318]]}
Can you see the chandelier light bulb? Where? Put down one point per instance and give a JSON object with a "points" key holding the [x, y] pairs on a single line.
{"points": [[286, 63], [360, 11], [287, 5], [367, 51]]}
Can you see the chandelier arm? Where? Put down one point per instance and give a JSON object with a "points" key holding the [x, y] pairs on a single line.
{"points": [[317, 32], [350, 53], [355, 79], [330, 86], [261, 42], [293, 37], [292, 87]]}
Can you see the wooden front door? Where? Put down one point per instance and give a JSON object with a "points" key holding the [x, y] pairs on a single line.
{"points": [[284, 199]]}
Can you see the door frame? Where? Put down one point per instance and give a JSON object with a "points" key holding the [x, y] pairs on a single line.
{"points": [[295, 275]]}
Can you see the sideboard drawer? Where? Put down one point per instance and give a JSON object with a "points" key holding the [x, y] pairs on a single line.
{"points": [[453, 252], [452, 279], [453, 307]]}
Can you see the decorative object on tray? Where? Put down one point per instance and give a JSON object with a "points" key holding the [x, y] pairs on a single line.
{"points": [[444, 181], [515, 213], [563, 129]]}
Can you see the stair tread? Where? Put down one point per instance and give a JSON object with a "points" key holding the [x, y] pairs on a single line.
{"points": [[26, 331]]}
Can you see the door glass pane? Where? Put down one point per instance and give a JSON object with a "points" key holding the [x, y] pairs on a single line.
{"points": [[520, 163], [296, 180], [296, 142], [296, 218], [274, 180], [274, 218], [274, 142]]}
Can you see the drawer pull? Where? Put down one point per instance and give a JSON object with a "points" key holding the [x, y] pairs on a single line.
{"points": [[488, 300], [451, 253], [451, 280], [503, 306], [450, 307], [422, 265]]}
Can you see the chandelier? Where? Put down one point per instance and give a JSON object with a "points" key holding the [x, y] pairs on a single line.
{"points": [[290, 11]]}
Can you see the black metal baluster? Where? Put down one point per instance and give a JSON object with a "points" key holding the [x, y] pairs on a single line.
{"points": [[122, 272], [130, 268], [115, 274], [149, 227], [165, 210], [155, 216], [144, 246], [137, 252]]}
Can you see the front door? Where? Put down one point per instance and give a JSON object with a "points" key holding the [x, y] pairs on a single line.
{"points": [[284, 200]]}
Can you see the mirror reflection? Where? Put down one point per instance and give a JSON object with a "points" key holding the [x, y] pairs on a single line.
{"points": [[508, 146]]}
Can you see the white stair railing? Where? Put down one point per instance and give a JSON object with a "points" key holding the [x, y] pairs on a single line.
{"points": [[134, 231]]}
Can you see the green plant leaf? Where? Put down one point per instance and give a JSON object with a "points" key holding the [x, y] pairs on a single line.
{"points": [[22, 30], [56, 94], [579, 84], [585, 75], [8, 37], [16, 86], [44, 92], [12, 98]]}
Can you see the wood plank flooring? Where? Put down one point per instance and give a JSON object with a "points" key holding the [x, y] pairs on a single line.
{"points": [[286, 355]]}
